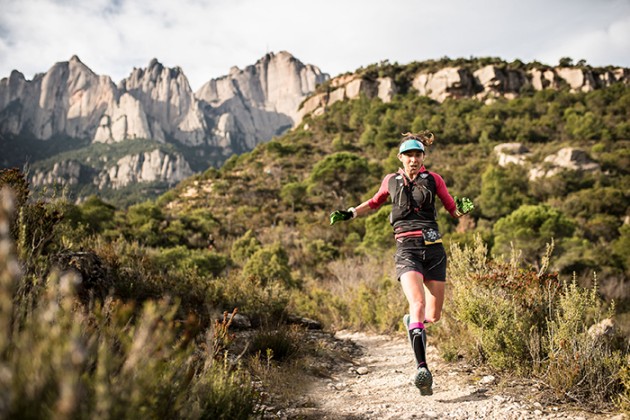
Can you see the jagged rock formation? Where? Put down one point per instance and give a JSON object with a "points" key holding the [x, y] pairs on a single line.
{"points": [[67, 172], [348, 87], [231, 114], [69, 99], [261, 100], [168, 101]]}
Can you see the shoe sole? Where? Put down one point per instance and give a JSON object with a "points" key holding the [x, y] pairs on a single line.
{"points": [[424, 382]]}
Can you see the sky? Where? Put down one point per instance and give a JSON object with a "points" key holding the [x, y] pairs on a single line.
{"points": [[208, 37]]}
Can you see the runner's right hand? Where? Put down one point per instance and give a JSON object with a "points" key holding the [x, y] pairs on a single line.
{"points": [[340, 215]]}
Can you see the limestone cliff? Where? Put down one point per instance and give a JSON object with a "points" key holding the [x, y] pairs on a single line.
{"points": [[259, 101], [231, 114], [244, 108], [150, 166], [485, 83], [67, 100]]}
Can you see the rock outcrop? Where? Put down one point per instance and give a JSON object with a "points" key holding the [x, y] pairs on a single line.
{"points": [[247, 106], [348, 87], [511, 153], [485, 83], [259, 101], [67, 100], [168, 102], [448, 82], [150, 166], [567, 158], [228, 115], [67, 172]]}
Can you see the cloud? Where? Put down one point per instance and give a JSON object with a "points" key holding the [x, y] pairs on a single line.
{"points": [[207, 37], [600, 47]]}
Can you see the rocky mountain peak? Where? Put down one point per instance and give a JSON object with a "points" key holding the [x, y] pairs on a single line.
{"points": [[260, 100]]}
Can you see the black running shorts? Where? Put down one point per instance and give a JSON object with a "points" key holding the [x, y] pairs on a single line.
{"points": [[413, 255]]}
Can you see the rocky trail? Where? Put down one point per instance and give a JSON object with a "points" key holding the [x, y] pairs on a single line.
{"points": [[377, 384]]}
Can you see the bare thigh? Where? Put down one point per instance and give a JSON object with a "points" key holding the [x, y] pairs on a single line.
{"points": [[411, 283]]}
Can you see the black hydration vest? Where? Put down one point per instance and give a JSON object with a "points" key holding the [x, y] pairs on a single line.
{"points": [[413, 202]]}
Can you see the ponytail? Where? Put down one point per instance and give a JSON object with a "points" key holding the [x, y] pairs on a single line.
{"points": [[425, 137]]}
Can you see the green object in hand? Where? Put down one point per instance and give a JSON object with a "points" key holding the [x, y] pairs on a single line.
{"points": [[339, 215], [464, 205]]}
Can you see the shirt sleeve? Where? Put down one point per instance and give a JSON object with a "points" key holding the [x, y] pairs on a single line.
{"points": [[381, 195], [442, 192]]}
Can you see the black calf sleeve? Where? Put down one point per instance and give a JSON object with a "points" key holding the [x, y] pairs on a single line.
{"points": [[418, 343]]}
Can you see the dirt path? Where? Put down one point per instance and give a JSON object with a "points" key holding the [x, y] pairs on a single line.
{"points": [[378, 385]]}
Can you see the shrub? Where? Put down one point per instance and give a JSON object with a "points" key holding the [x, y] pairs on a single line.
{"points": [[503, 190], [378, 231], [503, 304], [97, 214], [278, 344], [205, 263], [582, 366], [529, 228], [270, 264], [378, 306], [244, 247], [107, 360], [342, 175], [530, 322]]}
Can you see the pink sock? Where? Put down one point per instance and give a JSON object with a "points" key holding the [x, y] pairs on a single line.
{"points": [[414, 325]]}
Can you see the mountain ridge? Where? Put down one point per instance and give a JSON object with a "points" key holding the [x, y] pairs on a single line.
{"points": [[230, 114]]}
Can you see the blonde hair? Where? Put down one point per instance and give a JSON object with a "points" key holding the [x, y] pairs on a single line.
{"points": [[425, 137]]}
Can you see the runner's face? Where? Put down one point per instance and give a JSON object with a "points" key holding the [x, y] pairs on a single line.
{"points": [[412, 161]]}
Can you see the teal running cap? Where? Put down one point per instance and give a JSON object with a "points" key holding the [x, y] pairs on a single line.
{"points": [[411, 145]]}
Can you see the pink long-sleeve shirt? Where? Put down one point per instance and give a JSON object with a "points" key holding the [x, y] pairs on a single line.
{"points": [[440, 189]]}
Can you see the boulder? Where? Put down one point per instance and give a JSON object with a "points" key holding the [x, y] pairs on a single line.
{"points": [[508, 153], [568, 158], [578, 79], [447, 82]]}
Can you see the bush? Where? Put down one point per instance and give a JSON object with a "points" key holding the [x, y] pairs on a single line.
{"points": [[581, 365], [244, 247], [107, 360], [205, 263], [277, 344], [530, 322], [503, 190], [97, 214], [270, 264], [502, 304], [529, 228]]}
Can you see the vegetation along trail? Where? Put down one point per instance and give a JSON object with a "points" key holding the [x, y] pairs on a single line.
{"points": [[377, 384]]}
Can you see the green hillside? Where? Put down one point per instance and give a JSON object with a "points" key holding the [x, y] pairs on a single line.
{"points": [[289, 185], [255, 235]]}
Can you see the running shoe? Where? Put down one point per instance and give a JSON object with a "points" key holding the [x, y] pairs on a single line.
{"points": [[424, 381]]}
